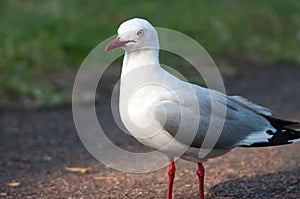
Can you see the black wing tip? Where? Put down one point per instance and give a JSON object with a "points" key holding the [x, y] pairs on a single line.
{"points": [[280, 123], [282, 136]]}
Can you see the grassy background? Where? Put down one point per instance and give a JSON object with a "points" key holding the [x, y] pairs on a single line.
{"points": [[40, 41]]}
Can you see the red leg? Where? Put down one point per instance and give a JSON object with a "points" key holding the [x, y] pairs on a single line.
{"points": [[200, 174], [171, 174]]}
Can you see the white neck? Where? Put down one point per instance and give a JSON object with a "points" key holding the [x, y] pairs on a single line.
{"points": [[138, 58]]}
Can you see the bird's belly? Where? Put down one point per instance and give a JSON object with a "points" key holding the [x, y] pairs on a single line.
{"points": [[192, 154]]}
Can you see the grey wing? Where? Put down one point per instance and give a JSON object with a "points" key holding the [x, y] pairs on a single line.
{"points": [[243, 123], [250, 105]]}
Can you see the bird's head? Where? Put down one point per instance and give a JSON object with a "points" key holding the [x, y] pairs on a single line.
{"points": [[135, 34]]}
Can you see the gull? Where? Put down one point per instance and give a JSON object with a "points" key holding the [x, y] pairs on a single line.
{"points": [[174, 116]]}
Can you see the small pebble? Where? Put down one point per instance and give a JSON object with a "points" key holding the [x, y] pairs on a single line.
{"points": [[3, 194], [47, 158]]}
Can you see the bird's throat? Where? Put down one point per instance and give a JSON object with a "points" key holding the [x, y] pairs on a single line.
{"points": [[140, 60]]}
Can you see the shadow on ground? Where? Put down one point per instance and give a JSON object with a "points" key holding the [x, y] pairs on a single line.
{"points": [[263, 186]]}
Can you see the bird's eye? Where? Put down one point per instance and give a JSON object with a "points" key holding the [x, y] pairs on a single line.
{"points": [[140, 33]]}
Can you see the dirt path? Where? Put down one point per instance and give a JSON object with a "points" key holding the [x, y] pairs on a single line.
{"points": [[35, 148]]}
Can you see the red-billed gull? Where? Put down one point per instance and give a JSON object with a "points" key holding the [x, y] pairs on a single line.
{"points": [[155, 106]]}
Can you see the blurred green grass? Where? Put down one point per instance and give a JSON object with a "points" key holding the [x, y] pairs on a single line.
{"points": [[41, 39]]}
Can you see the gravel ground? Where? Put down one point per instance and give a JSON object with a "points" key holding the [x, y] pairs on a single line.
{"points": [[37, 146]]}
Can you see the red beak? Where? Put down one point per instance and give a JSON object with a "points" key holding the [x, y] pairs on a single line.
{"points": [[116, 43]]}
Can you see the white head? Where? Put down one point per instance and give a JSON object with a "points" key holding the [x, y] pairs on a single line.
{"points": [[135, 34]]}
